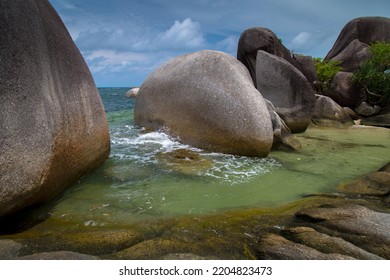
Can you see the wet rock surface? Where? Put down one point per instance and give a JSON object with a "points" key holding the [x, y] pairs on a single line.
{"points": [[59, 255], [276, 247], [327, 244], [9, 249]]}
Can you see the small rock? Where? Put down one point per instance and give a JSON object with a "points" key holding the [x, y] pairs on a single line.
{"points": [[132, 93], [385, 168], [382, 120], [367, 110]]}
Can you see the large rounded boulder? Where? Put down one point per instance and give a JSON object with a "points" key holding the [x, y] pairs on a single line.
{"points": [[206, 99], [52, 122], [287, 89]]}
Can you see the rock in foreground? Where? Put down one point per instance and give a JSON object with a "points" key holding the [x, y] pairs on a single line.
{"points": [[52, 122], [207, 100]]}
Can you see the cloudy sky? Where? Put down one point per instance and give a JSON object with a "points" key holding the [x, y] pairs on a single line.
{"points": [[124, 40]]}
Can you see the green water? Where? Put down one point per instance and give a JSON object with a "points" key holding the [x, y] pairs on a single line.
{"points": [[135, 184]]}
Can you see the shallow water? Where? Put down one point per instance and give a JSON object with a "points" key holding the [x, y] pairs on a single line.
{"points": [[137, 182]]}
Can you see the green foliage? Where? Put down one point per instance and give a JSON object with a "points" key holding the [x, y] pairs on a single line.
{"points": [[374, 74], [325, 72]]}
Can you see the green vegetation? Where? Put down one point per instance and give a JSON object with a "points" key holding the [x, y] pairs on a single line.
{"points": [[374, 74], [325, 72]]}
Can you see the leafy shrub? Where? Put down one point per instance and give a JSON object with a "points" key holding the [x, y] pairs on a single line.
{"points": [[325, 72], [374, 74]]}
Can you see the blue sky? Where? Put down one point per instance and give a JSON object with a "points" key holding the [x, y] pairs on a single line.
{"points": [[123, 41]]}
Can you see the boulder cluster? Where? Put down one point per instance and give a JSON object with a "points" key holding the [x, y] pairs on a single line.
{"points": [[248, 105], [351, 49]]}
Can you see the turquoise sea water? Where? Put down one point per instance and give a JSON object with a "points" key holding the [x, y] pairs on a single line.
{"points": [[138, 182]]}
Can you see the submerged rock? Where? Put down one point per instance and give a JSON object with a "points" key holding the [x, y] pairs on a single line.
{"points": [[376, 184], [206, 99], [53, 125], [287, 89], [185, 161]]}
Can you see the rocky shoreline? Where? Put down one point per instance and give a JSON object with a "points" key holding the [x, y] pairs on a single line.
{"points": [[56, 131], [353, 223]]}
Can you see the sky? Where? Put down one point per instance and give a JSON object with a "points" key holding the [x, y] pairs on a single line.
{"points": [[123, 41]]}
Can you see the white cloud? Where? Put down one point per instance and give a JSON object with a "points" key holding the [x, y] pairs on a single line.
{"points": [[301, 39], [137, 36], [229, 45], [186, 34], [113, 61]]}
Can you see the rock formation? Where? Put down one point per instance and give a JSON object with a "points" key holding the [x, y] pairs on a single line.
{"points": [[258, 38], [52, 122], [352, 49], [207, 100], [328, 113], [364, 29]]}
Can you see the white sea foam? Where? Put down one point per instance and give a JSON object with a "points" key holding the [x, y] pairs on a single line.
{"points": [[130, 143]]}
